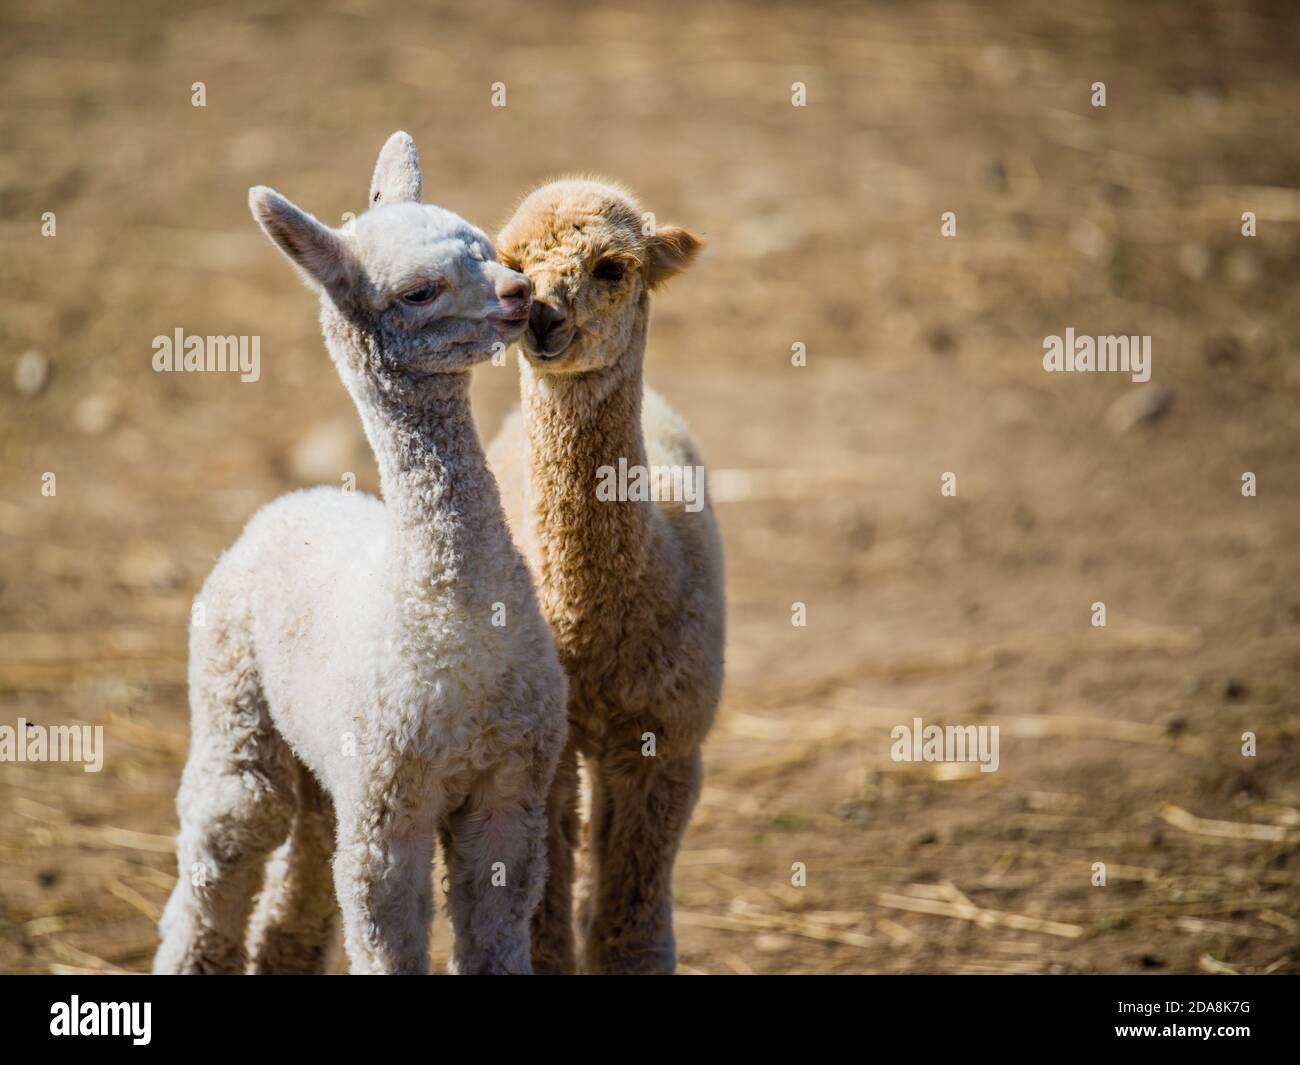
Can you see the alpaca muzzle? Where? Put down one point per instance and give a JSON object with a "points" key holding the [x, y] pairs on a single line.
{"points": [[549, 330]]}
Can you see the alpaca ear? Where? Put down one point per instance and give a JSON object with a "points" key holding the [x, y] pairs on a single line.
{"points": [[397, 172], [672, 250], [312, 247]]}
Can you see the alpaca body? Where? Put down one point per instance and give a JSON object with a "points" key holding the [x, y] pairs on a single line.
{"points": [[368, 676], [666, 608], [319, 556], [633, 591]]}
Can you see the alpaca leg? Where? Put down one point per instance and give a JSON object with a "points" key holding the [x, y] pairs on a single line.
{"points": [[640, 809], [383, 876], [292, 929], [495, 849], [235, 805], [552, 927]]}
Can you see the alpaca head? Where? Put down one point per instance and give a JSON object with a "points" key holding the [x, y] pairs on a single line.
{"points": [[592, 259], [415, 288]]}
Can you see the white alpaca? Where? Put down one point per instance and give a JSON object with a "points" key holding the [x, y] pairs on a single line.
{"points": [[388, 659]]}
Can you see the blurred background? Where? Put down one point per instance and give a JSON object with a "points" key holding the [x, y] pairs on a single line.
{"points": [[1119, 745]]}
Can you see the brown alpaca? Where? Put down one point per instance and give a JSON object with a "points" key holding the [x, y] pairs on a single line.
{"points": [[633, 590]]}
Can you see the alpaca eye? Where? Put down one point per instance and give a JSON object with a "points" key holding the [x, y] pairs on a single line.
{"points": [[421, 295], [608, 270]]}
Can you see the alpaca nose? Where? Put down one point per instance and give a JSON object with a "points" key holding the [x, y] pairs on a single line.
{"points": [[514, 294], [544, 319]]}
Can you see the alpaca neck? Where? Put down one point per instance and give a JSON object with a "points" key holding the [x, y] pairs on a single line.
{"points": [[591, 553], [447, 529]]}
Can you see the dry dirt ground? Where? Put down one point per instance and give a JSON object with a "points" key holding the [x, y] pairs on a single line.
{"points": [[1120, 744]]}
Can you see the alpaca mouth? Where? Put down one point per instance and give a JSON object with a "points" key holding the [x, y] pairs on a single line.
{"points": [[512, 325], [552, 349], [520, 315]]}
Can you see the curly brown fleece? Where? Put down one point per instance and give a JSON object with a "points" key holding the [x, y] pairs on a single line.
{"points": [[633, 590]]}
